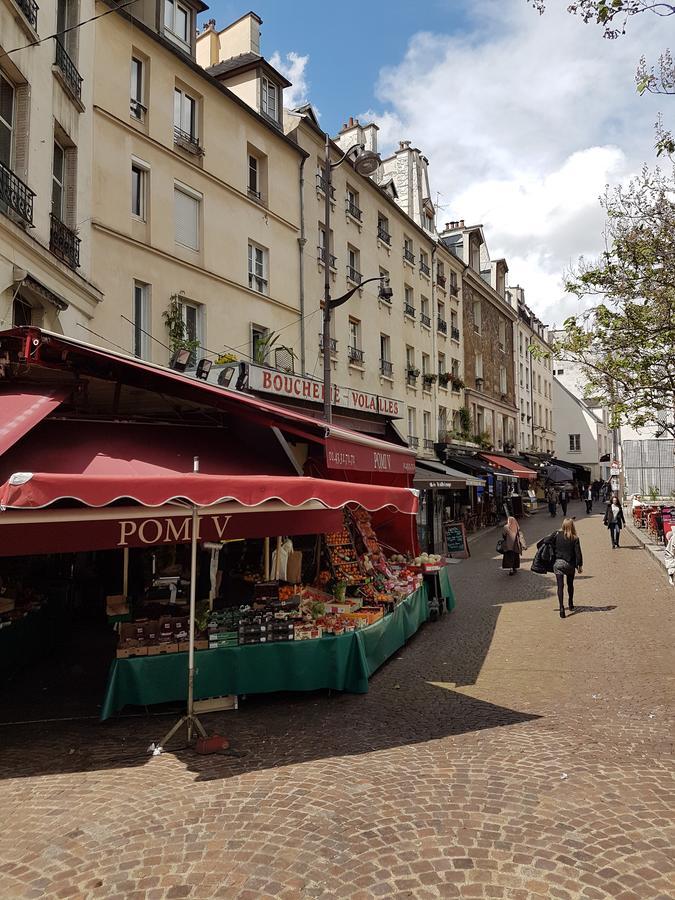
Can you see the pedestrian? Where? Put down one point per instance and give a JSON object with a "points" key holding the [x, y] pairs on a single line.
{"points": [[514, 544], [564, 500], [552, 498], [588, 496], [670, 557], [614, 520], [568, 561]]}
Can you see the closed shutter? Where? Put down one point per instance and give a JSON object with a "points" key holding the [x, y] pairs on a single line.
{"points": [[187, 219], [70, 188], [21, 126]]}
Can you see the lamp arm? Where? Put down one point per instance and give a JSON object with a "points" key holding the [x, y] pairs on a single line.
{"points": [[338, 301], [346, 154]]}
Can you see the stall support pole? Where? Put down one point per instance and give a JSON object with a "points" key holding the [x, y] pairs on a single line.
{"points": [[125, 573], [190, 719], [266, 559]]}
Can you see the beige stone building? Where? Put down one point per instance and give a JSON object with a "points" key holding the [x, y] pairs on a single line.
{"points": [[46, 110], [534, 381], [488, 335]]}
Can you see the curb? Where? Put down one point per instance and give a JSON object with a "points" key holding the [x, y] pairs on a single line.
{"points": [[655, 551]]}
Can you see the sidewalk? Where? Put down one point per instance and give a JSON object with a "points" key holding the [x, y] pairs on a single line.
{"points": [[656, 551]]}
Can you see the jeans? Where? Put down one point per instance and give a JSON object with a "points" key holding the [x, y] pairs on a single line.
{"points": [[560, 578], [563, 506], [614, 531], [551, 508]]}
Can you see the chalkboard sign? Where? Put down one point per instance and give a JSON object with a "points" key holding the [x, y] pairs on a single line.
{"points": [[455, 541]]}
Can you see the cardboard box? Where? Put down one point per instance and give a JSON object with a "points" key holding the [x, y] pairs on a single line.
{"points": [[161, 649], [184, 646], [116, 605], [128, 652]]}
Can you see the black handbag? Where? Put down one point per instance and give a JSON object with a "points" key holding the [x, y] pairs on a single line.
{"points": [[501, 543], [544, 558]]}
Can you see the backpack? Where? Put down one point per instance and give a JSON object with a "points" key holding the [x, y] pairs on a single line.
{"points": [[544, 558]]}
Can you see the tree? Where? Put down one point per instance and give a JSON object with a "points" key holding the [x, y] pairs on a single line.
{"points": [[626, 343], [612, 15]]}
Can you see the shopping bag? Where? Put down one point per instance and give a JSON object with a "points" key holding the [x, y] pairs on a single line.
{"points": [[501, 545]]}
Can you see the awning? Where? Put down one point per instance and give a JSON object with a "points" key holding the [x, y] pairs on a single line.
{"points": [[430, 475], [518, 469], [22, 408], [347, 450], [558, 474], [480, 467]]}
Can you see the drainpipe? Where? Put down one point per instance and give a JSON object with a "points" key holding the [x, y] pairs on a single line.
{"points": [[302, 240], [434, 344]]}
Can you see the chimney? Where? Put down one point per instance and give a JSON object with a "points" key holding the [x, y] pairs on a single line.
{"points": [[404, 145], [461, 223], [370, 136]]}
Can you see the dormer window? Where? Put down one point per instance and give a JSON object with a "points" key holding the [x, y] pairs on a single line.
{"points": [[178, 21], [269, 94]]}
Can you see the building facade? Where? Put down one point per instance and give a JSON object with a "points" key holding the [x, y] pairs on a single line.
{"points": [[46, 110], [534, 381], [583, 435]]}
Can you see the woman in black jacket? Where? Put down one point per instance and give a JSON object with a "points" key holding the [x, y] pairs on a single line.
{"points": [[614, 519], [568, 560]]}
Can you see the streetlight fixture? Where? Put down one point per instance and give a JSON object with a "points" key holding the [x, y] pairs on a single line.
{"points": [[365, 162]]}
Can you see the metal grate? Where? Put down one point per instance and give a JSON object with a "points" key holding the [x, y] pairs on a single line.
{"points": [[30, 10], [283, 359], [72, 77], [15, 196], [64, 243]]}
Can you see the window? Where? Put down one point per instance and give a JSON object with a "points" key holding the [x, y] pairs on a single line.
{"points": [[193, 319], [412, 421], [177, 20], [353, 273], [539, 383], [428, 221], [425, 364], [454, 368], [136, 102], [453, 283], [575, 443], [268, 99], [383, 229], [139, 175], [6, 121], [521, 374], [502, 334], [384, 274], [561, 371], [184, 115], [58, 181], [478, 366], [257, 268], [355, 351], [322, 246], [441, 363], [408, 301], [408, 254], [426, 425], [141, 314], [442, 422], [66, 19], [520, 337], [187, 205], [353, 203], [425, 318], [22, 313], [502, 379], [386, 368], [441, 311], [476, 316], [259, 350], [424, 263], [454, 326], [253, 176]]}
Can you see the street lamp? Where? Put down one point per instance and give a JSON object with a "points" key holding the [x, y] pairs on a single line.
{"points": [[366, 162]]}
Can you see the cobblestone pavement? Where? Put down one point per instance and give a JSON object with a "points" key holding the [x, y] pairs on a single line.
{"points": [[503, 753]]}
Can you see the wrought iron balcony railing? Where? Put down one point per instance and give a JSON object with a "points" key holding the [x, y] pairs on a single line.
{"points": [[354, 275], [354, 211], [441, 279], [63, 242], [356, 356], [332, 342], [454, 290], [15, 196], [321, 256], [413, 441], [428, 444], [69, 70], [409, 256], [30, 10], [425, 320], [386, 368], [409, 310], [424, 268], [384, 235], [441, 325], [454, 333], [187, 141], [321, 185]]}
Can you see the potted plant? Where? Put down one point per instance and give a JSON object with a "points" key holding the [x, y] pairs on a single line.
{"points": [[653, 492], [483, 440], [430, 378], [413, 372], [457, 383], [179, 338], [465, 421], [444, 378]]}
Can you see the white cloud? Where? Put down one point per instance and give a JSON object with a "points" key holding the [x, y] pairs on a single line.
{"points": [[294, 67], [524, 120]]}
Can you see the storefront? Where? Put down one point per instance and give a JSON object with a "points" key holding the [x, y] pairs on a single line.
{"points": [[112, 469], [444, 492], [518, 493]]}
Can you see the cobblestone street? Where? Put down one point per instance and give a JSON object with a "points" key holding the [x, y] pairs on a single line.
{"points": [[503, 753]]}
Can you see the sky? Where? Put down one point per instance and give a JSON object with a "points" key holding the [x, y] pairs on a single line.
{"points": [[524, 118]]}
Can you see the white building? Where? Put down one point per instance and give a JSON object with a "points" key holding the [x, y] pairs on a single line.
{"points": [[582, 432]]}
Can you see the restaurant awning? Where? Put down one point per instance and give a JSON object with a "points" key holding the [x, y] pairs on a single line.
{"points": [[479, 467], [518, 469], [429, 475], [21, 408]]}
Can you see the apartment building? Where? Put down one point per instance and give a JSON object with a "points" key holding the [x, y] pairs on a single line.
{"points": [[488, 334], [46, 103], [534, 381]]}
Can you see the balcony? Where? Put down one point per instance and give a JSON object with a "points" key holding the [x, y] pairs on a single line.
{"points": [[408, 256], [411, 375], [454, 333], [137, 109], [321, 256], [428, 444], [64, 243], [413, 441], [383, 235], [71, 76], [353, 211], [353, 275], [16, 197], [454, 290], [30, 10], [333, 345], [321, 185], [187, 141], [424, 269], [409, 310], [253, 194], [356, 356], [386, 368], [441, 280], [425, 320], [441, 325]]}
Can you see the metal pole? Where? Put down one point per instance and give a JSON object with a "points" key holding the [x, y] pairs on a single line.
{"points": [[327, 408], [125, 573], [193, 596]]}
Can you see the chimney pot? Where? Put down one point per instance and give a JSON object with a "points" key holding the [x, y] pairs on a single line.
{"points": [[461, 223], [351, 121]]}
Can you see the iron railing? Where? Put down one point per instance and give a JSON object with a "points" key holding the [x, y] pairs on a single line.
{"points": [[321, 185], [386, 368], [354, 275], [137, 109], [321, 254], [428, 444], [332, 342], [409, 256], [424, 268], [354, 211], [187, 141], [442, 325], [409, 310], [383, 235], [30, 10], [69, 70], [15, 195], [454, 333], [441, 279], [425, 320], [454, 290], [63, 242], [413, 441], [356, 356]]}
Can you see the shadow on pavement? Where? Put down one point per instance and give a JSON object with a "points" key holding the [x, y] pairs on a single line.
{"points": [[585, 609]]}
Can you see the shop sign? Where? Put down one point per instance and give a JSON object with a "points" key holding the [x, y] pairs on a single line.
{"points": [[284, 384], [362, 458], [615, 468]]}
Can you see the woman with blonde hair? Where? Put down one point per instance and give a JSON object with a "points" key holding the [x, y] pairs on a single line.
{"points": [[568, 561], [514, 544]]}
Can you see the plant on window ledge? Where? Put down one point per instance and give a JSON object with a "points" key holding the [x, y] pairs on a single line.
{"points": [[483, 440], [179, 337], [444, 378], [465, 421], [457, 383], [413, 372], [264, 347], [429, 378]]}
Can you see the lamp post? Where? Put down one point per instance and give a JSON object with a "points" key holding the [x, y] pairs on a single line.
{"points": [[365, 162]]}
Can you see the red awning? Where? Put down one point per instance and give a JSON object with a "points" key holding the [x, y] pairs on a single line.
{"points": [[22, 408], [518, 469]]}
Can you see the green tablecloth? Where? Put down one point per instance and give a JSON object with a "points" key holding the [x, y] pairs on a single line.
{"points": [[446, 588], [344, 663]]}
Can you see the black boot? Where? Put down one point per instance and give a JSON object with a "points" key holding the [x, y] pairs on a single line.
{"points": [[562, 612]]}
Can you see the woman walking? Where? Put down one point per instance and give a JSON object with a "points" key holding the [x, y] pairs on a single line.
{"points": [[514, 544], [614, 520], [568, 561], [588, 496], [563, 501], [552, 498]]}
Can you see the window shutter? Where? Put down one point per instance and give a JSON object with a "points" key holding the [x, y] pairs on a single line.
{"points": [[70, 188], [187, 219], [21, 126]]}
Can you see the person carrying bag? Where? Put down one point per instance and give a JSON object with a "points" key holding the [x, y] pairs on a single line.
{"points": [[511, 544]]}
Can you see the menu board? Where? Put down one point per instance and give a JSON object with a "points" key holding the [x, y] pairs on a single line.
{"points": [[455, 541]]}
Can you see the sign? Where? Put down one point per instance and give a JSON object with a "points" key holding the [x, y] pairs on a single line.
{"points": [[297, 387], [615, 468], [362, 458], [455, 541]]}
